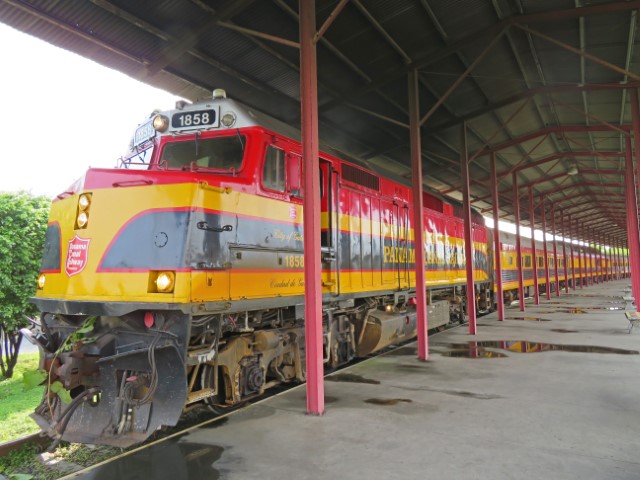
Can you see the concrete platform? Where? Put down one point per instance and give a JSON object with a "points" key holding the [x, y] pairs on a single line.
{"points": [[549, 413]]}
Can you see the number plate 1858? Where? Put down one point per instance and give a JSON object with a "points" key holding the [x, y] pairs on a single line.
{"points": [[194, 119]]}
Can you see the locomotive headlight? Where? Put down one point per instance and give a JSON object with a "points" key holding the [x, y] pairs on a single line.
{"points": [[160, 123], [41, 281], [84, 202], [228, 119], [165, 282], [82, 219]]}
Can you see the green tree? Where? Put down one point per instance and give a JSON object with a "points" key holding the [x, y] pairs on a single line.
{"points": [[23, 223]]}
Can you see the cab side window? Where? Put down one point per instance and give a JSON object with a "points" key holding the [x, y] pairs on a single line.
{"points": [[273, 174]]}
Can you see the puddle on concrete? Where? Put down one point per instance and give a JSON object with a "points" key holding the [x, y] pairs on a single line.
{"points": [[168, 460], [529, 319], [563, 330], [351, 378], [475, 352], [590, 309], [387, 401], [475, 349]]}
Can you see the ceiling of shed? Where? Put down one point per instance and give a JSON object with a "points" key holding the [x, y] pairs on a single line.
{"points": [[525, 81]]}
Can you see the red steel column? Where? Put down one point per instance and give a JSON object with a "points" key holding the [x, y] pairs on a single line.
{"points": [[573, 266], [468, 233], [532, 222], [584, 259], [555, 248], [601, 257], [591, 261], [596, 278], [634, 243], [596, 246], [564, 253], [621, 268], [605, 257], [632, 221], [516, 213], [605, 261], [580, 254], [496, 239], [311, 214], [624, 256], [547, 285], [418, 217], [616, 255], [612, 275]]}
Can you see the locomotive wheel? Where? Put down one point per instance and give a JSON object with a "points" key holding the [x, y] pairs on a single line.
{"points": [[216, 404]]}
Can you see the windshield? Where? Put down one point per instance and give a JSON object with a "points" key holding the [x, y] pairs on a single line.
{"points": [[218, 153]]}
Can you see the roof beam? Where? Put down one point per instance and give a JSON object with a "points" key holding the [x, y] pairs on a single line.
{"points": [[172, 51]]}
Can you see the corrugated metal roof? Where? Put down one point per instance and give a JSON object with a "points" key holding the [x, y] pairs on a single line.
{"points": [[363, 60]]}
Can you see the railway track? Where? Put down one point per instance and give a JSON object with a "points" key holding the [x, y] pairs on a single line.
{"points": [[38, 439], [197, 420]]}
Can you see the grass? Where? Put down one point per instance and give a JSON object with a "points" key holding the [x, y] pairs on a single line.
{"points": [[16, 404]]}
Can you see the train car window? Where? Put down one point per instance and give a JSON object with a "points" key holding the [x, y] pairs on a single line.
{"points": [[527, 261], [550, 262], [510, 260], [540, 262], [217, 154], [273, 174]]}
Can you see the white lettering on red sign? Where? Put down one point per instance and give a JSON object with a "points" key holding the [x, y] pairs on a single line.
{"points": [[77, 255], [293, 212]]}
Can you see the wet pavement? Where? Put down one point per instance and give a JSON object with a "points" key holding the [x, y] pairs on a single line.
{"points": [[481, 407]]}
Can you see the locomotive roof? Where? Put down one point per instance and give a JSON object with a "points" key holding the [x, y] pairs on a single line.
{"points": [[247, 116], [251, 117]]}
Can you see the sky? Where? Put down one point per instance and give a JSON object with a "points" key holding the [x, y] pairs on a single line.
{"points": [[62, 113]]}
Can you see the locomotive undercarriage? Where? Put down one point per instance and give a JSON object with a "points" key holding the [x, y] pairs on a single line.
{"points": [[128, 376]]}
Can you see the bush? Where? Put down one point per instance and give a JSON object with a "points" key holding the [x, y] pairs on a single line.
{"points": [[23, 223]]}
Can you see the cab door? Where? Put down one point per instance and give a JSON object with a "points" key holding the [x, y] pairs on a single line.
{"points": [[330, 240]]}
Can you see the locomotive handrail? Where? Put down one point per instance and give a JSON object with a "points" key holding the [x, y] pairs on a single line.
{"points": [[206, 186], [132, 183]]}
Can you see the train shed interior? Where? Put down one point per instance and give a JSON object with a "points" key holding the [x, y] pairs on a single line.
{"points": [[523, 110]]}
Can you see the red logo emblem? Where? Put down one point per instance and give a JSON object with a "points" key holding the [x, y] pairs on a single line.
{"points": [[77, 255]]}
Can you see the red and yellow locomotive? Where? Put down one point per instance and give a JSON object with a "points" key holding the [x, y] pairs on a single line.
{"points": [[176, 280]]}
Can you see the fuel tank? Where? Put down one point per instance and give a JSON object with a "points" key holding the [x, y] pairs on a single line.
{"points": [[381, 329]]}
